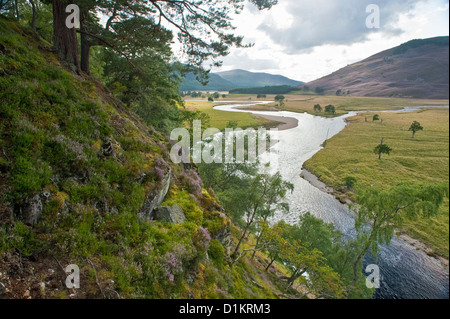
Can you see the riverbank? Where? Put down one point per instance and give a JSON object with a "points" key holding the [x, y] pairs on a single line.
{"points": [[344, 199], [221, 119], [284, 123], [423, 159]]}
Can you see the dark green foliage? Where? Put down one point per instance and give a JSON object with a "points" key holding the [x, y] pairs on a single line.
{"points": [[280, 98], [330, 109], [385, 211], [415, 127], [438, 41], [382, 149], [350, 182], [320, 90]]}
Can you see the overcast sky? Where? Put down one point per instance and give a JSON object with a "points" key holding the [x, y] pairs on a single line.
{"points": [[308, 39]]}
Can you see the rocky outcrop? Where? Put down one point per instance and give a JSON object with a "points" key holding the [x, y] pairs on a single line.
{"points": [[30, 212], [156, 197], [174, 214], [224, 237]]}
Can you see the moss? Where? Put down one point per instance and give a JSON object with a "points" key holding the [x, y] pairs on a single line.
{"points": [[217, 253]]}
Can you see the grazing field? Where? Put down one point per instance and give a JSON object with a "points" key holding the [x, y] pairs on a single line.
{"points": [[424, 158], [221, 119]]}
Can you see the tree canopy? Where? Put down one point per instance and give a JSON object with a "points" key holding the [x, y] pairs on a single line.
{"points": [[415, 127], [385, 210]]}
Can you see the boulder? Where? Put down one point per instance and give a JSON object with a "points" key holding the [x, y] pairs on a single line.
{"points": [[174, 214], [31, 210], [156, 197]]}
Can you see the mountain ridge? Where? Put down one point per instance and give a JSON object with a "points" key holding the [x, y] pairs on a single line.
{"points": [[234, 79], [416, 69]]}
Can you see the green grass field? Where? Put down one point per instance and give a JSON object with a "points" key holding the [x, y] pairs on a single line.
{"points": [[422, 159], [220, 119]]}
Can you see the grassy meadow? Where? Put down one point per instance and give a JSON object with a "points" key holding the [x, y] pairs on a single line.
{"points": [[422, 159], [220, 119]]}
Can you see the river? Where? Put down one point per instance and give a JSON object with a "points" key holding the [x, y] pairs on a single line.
{"points": [[406, 273]]}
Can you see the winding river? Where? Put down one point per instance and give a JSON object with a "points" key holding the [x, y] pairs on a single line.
{"points": [[406, 273]]}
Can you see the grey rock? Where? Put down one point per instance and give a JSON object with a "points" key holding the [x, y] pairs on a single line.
{"points": [[156, 197], [31, 210], [178, 214], [224, 237], [108, 147], [172, 214]]}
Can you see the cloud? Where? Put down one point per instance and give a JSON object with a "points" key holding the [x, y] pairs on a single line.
{"points": [[243, 59], [302, 25]]}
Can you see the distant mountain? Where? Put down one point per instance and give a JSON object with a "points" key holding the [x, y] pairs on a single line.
{"points": [[246, 79], [416, 69], [216, 83], [228, 80]]}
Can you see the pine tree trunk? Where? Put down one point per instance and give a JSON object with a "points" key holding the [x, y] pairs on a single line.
{"points": [[65, 39], [85, 43], [85, 52], [34, 18], [16, 8]]}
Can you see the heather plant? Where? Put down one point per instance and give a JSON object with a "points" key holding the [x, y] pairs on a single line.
{"points": [[192, 181], [160, 168], [202, 239]]}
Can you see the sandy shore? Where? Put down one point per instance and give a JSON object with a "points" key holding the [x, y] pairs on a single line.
{"points": [[286, 123], [314, 181]]}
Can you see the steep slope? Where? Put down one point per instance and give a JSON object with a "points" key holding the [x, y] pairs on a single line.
{"points": [[416, 69], [83, 181]]}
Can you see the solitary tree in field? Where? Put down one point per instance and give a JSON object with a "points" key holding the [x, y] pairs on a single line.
{"points": [[376, 117], [280, 98], [415, 127], [330, 109], [317, 108], [382, 149]]}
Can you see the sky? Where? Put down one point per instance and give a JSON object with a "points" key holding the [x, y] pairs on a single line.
{"points": [[308, 39]]}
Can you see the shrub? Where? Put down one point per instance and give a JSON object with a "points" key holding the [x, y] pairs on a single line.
{"points": [[217, 253], [350, 181]]}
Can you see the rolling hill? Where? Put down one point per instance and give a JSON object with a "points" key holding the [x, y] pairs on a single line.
{"points": [[228, 80], [246, 79], [416, 69]]}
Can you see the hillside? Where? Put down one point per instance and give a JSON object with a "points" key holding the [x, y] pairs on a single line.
{"points": [[215, 83], [228, 80], [84, 181], [416, 69], [246, 79]]}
